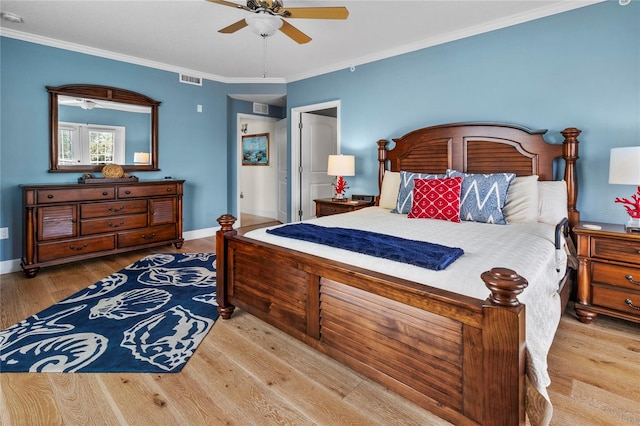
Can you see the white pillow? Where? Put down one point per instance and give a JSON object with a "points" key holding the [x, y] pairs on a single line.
{"points": [[522, 200], [552, 201], [390, 189]]}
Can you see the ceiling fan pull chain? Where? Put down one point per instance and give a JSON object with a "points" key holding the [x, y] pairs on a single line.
{"points": [[264, 58]]}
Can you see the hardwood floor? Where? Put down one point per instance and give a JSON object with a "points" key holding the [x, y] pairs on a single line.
{"points": [[246, 372]]}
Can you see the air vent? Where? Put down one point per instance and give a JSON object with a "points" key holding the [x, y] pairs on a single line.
{"points": [[189, 79], [260, 108]]}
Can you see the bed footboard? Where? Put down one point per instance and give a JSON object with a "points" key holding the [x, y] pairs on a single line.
{"points": [[458, 357]]}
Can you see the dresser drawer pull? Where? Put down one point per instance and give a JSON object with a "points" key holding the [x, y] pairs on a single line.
{"points": [[168, 189], [631, 305], [105, 193], [111, 209], [630, 279], [111, 225], [78, 248], [127, 192], [150, 237], [50, 196]]}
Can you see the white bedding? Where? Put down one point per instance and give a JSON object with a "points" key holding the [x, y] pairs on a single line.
{"points": [[527, 248]]}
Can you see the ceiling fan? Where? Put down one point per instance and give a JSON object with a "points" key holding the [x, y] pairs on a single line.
{"points": [[268, 17]]}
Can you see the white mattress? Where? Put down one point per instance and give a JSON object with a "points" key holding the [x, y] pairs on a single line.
{"points": [[528, 249]]}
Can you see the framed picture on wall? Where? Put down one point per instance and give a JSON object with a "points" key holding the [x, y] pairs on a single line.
{"points": [[255, 150]]}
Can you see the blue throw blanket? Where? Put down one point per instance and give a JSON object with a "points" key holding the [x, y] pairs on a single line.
{"points": [[420, 253]]}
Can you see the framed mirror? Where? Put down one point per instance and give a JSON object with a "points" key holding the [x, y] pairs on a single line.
{"points": [[93, 125]]}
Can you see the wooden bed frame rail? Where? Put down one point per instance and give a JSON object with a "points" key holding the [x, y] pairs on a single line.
{"points": [[320, 311]]}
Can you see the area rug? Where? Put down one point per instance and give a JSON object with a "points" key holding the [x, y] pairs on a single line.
{"points": [[147, 318]]}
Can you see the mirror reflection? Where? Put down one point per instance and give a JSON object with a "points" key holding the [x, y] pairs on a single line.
{"points": [[97, 125]]}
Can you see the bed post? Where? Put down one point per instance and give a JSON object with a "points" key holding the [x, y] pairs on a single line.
{"points": [[382, 162], [226, 222], [570, 155], [503, 344]]}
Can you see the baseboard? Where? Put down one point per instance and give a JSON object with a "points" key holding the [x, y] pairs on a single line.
{"points": [[13, 265]]}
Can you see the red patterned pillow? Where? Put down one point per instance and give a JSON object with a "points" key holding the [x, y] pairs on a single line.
{"points": [[436, 199]]}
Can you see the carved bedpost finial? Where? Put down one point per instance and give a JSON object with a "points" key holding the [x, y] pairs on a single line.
{"points": [[570, 155], [382, 161], [505, 286], [226, 222]]}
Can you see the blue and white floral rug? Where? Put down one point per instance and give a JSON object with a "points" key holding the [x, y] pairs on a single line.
{"points": [[149, 317]]}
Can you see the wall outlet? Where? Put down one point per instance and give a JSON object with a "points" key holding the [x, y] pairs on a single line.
{"points": [[4, 233]]}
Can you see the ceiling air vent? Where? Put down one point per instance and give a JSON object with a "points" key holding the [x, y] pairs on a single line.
{"points": [[189, 79], [260, 108]]}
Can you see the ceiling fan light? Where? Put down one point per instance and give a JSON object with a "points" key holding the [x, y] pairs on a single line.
{"points": [[263, 24]]}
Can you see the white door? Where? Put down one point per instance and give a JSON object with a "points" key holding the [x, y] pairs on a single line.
{"points": [[319, 139], [281, 155]]}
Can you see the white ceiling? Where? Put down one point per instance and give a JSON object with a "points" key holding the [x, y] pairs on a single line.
{"points": [[181, 35]]}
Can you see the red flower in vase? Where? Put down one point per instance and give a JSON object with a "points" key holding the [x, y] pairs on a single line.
{"points": [[633, 205], [341, 185]]}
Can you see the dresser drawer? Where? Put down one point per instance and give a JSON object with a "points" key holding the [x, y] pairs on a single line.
{"points": [[620, 300], [147, 191], [119, 208], [147, 236], [75, 194], [615, 249], [49, 251], [113, 224], [619, 276]]}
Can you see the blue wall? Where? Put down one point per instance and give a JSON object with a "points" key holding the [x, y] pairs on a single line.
{"points": [[576, 69], [192, 145]]}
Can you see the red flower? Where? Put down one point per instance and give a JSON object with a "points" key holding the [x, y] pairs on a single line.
{"points": [[633, 207]]}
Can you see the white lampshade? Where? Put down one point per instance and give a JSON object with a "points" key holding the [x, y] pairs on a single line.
{"points": [[624, 166], [141, 157], [341, 165]]}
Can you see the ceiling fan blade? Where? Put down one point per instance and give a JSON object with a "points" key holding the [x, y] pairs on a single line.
{"points": [[294, 33], [230, 4], [234, 27], [317, 12]]}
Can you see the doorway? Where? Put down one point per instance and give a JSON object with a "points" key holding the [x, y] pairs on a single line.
{"points": [[315, 134], [256, 189]]}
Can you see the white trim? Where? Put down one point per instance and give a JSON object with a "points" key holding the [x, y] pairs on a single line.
{"points": [[531, 15], [10, 266], [294, 176]]}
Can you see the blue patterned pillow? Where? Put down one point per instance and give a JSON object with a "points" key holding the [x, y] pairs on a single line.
{"points": [[405, 194], [482, 197]]}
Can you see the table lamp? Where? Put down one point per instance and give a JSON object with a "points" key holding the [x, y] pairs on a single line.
{"points": [[624, 169], [340, 166], [141, 157]]}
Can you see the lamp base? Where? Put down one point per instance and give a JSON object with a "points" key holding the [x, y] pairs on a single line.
{"points": [[633, 225]]}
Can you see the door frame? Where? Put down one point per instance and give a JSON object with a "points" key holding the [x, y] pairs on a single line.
{"points": [[294, 159], [239, 117]]}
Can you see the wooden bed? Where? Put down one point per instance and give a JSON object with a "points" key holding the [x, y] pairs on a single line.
{"points": [[458, 357]]}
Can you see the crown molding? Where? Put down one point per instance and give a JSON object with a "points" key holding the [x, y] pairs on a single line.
{"points": [[538, 13]]}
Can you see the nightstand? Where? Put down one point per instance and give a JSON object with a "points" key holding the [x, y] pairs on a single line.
{"points": [[609, 272], [327, 206]]}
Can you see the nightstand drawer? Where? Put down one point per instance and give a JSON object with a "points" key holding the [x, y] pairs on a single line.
{"points": [[620, 300], [335, 208], [619, 276], [615, 249]]}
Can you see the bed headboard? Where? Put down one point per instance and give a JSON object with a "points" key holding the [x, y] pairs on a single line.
{"points": [[484, 148]]}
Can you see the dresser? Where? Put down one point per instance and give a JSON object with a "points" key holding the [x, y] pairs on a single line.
{"points": [[608, 273], [69, 222], [328, 206]]}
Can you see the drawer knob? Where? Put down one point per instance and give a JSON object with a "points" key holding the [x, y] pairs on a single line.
{"points": [[72, 247], [50, 196], [168, 189], [630, 279], [118, 225], [127, 192], [105, 193], [631, 305]]}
